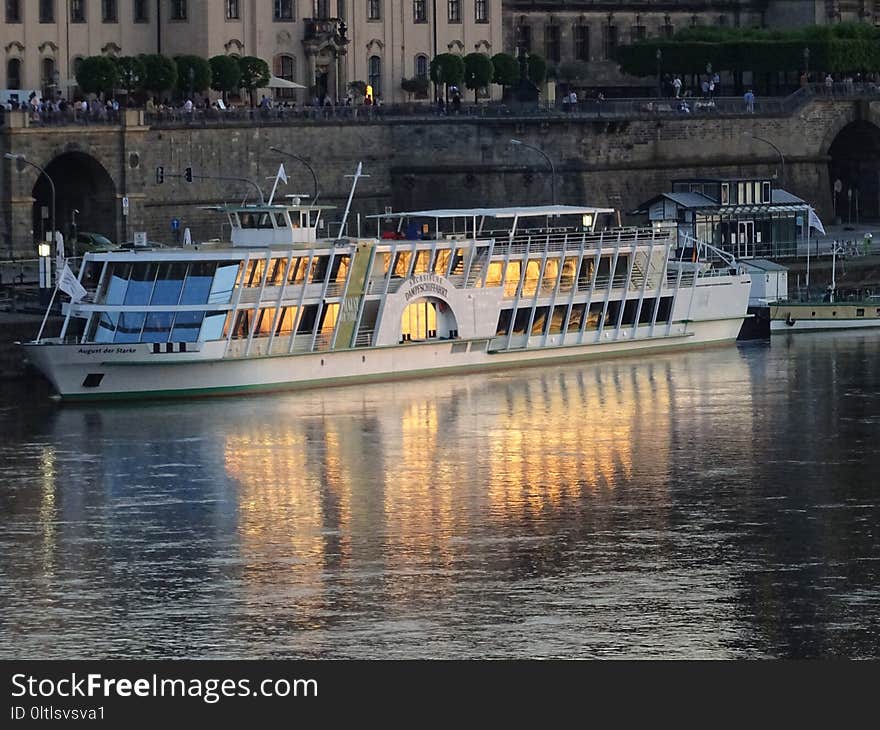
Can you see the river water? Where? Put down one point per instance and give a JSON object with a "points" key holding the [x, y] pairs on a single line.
{"points": [[720, 503]]}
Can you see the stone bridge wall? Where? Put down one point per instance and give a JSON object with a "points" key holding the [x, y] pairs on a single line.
{"points": [[421, 163]]}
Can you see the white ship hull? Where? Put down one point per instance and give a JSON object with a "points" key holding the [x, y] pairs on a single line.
{"points": [[131, 371], [820, 316]]}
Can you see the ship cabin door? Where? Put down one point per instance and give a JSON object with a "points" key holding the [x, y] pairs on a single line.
{"points": [[427, 319], [745, 239]]}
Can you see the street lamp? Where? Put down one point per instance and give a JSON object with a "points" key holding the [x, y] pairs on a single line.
{"points": [[659, 82], [300, 159], [779, 152], [20, 162], [549, 162]]}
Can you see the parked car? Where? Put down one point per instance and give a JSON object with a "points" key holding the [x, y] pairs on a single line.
{"points": [[93, 242]]}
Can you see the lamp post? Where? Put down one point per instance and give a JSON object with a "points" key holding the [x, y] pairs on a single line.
{"points": [[659, 72], [311, 170], [20, 162], [807, 64], [778, 151], [549, 162]]}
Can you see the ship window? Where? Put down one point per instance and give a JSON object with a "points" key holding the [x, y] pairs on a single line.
{"points": [[157, 327], [860, 312], [558, 319], [298, 270], [725, 193], [757, 192], [766, 192], [340, 268], [187, 326], [281, 220], [198, 282], [647, 311], [422, 261], [265, 320], [307, 321], [611, 315], [576, 317], [286, 321], [168, 284], [242, 327], [511, 278], [276, 275], [212, 326], [129, 327], [522, 320], [106, 326], [224, 283], [118, 283], [329, 315], [539, 321], [504, 322], [594, 316], [629, 311], [551, 274], [401, 264], [441, 262], [493, 274], [254, 275], [664, 311], [319, 270], [533, 273], [140, 285]]}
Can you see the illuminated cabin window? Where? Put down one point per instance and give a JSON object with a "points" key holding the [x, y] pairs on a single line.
{"points": [[298, 269]]}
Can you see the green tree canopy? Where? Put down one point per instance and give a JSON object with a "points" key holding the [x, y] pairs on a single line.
{"points": [[506, 69], [478, 72], [98, 75], [131, 73], [225, 74], [537, 69], [160, 73], [193, 74], [447, 69], [254, 74], [417, 86], [837, 48]]}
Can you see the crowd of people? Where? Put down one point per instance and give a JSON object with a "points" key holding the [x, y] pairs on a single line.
{"points": [[59, 109]]}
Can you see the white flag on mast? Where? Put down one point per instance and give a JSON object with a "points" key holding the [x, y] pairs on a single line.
{"points": [[69, 284], [816, 223]]}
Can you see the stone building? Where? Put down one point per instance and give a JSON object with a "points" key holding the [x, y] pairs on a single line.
{"points": [[321, 44], [589, 31]]}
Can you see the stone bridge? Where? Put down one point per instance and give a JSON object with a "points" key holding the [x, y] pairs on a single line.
{"points": [[422, 162]]}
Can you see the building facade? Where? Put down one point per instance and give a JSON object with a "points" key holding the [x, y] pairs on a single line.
{"points": [[586, 33], [321, 44]]}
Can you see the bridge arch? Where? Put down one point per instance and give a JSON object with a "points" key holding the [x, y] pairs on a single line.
{"points": [[855, 162], [82, 184]]}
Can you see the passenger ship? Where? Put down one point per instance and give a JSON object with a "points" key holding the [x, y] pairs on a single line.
{"points": [[444, 290]]}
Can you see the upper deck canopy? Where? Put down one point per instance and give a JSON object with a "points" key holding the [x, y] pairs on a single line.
{"points": [[517, 212]]}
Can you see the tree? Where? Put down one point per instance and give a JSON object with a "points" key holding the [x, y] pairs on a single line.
{"points": [[193, 74], [358, 90], [506, 69], [254, 74], [537, 69], [447, 69], [160, 73], [98, 75], [225, 75], [131, 73], [478, 72]]}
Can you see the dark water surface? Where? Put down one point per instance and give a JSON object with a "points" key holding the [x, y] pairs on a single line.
{"points": [[721, 503]]}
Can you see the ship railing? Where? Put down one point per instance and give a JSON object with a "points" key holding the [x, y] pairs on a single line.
{"points": [[562, 241], [364, 339]]}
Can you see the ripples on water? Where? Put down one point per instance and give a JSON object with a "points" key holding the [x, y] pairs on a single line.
{"points": [[721, 503]]}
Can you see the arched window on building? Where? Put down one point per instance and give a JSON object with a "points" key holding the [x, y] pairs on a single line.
{"points": [[13, 73], [285, 68], [421, 67], [374, 75], [48, 80]]}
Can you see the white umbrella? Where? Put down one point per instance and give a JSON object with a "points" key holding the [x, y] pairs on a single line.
{"points": [[278, 83]]}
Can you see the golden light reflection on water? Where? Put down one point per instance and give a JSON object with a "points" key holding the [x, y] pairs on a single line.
{"points": [[402, 472], [48, 508]]}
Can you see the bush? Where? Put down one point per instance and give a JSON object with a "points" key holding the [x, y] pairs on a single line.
{"points": [[132, 73], [447, 69], [254, 74], [416, 86], [537, 69], [98, 75], [478, 72]]}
